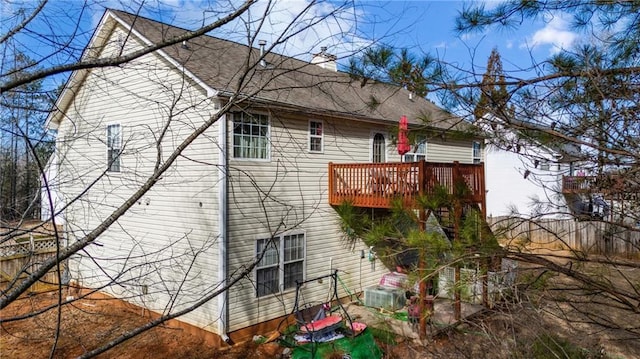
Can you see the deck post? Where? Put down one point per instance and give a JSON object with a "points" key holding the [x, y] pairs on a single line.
{"points": [[483, 193], [457, 307], [422, 219], [486, 263], [457, 208], [332, 183], [422, 169], [457, 215], [423, 284]]}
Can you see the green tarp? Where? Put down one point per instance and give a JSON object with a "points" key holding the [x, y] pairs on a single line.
{"points": [[362, 346]]}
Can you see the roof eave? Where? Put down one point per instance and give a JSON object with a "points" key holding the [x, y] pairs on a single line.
{"points": [[295, 109], [77, 77], [290, 108], [211, 92], [97, 41]]}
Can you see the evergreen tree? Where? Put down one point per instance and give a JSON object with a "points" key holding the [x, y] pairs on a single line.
{"points": [[493, 96], [401, 68]]}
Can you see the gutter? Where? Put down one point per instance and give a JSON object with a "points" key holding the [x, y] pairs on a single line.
{"points": [[223, 205]]}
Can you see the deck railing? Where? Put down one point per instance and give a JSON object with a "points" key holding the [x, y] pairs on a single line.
{"points": [[375, 185], [578, 184], [610, 186]]}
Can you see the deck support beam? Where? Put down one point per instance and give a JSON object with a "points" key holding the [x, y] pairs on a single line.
{"points": [[423, 284]]}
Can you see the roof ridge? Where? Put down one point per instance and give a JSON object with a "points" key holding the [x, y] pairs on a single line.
{"points": [[290, 81], [213, 37]]}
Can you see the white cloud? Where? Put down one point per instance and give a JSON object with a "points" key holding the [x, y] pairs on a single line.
{"points": [[441, 45], [300, 27], [304, 26], [468, 36], [554, 34]]}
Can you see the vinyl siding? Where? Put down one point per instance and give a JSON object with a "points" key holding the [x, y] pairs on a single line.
{"points": [[293, 198], [509, 192], [168, 239], [451, 150]]}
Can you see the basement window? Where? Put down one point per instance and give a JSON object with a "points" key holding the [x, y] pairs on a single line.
{"points": [[281, 265]]}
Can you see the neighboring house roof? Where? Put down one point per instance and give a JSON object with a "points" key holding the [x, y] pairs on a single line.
{"points": [[284, 82]]}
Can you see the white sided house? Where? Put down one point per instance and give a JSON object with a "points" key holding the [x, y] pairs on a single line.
{"points": [[267, 129], [524, 176]]}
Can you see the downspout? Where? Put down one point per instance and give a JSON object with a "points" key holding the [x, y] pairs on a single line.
{"points": [[223, 203]]}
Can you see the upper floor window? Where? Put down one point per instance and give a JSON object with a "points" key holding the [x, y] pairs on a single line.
{"points": [[316, 134], [114, 147], [417, 153], [544, 166], [477, 152], [250, 135], [281, 265], [378, 149]]}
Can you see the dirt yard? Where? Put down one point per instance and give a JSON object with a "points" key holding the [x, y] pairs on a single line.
{"points": [[89, 323], [538, 323], [85, 325]]}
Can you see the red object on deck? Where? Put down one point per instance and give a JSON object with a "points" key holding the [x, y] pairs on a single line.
{"points": [[403, 139]]}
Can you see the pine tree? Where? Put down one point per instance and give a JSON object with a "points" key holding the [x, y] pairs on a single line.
{"points": [[494, 96]]}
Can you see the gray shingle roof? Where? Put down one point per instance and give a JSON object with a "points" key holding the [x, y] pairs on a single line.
{"points": [[288, 82]]}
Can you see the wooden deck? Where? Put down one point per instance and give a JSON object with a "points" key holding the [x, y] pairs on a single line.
{"points": [[610, 186], [578, 184], [375, 185]]}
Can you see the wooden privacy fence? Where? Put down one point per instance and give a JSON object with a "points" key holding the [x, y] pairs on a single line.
{"points": [[595, 237], [22, 255]]}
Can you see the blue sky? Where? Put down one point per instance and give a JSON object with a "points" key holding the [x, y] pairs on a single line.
{"points": [[428, 26], [422, 26]]}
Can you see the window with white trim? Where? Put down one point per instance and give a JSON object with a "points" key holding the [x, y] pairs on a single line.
{"points": [[316, 134], [250, 136], [378, 148], [477, 152], [281, 265], [545, 166], [114, 147], [417, 153]]}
